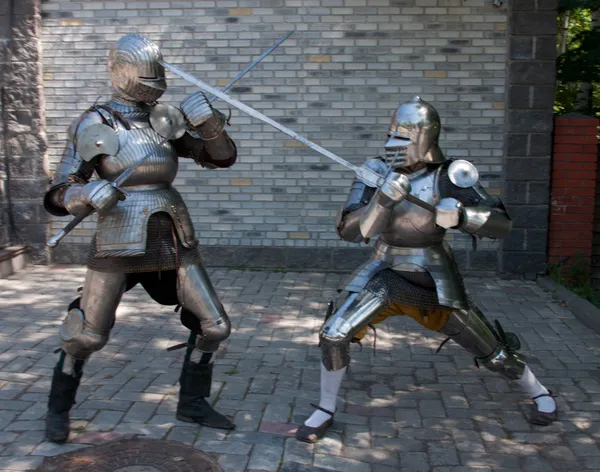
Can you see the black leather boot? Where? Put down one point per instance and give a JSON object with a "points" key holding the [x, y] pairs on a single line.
{"points": [[196, 381], [62, 398]]}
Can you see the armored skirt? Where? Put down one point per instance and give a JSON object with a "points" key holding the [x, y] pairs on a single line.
{"points": [[164, 251]]}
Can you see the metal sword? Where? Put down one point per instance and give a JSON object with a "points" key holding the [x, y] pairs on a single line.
{"points": [[54, 240], [365, 174]]}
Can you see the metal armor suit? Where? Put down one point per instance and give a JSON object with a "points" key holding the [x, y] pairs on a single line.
{"points": [[144, 232], [412, 270]]}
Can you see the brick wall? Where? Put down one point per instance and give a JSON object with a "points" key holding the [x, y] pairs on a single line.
{"points": [[337, 81], [574, 165]]}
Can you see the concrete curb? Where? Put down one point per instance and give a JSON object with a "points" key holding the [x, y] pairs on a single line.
{"points": [[583, 310]]}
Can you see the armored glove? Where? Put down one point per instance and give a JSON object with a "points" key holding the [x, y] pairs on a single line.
{"points": [[100, 194], [394, 190], [448, 213], [196, 109]]}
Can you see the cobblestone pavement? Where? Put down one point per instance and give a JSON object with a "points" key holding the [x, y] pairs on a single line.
{"points": [[403, 409]]}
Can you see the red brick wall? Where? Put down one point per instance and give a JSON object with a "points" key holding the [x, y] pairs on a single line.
{"points": [[573, 187]]}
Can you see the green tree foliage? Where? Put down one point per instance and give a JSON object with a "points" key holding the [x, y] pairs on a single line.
{"points": [[580, 64]]}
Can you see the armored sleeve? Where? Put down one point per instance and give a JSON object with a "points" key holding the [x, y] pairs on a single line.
{"points": [[209, 145], [72, 172], [349, 216], [483, 215]]}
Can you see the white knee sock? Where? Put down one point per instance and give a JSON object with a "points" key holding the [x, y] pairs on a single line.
{"points": [[331, 381], [534, 388]]}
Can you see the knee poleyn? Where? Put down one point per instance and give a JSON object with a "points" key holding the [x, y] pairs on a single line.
{"points": [[77, 338], [216, 331], [335, 349]]}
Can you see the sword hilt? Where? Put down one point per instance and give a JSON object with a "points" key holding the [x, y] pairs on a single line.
{"points": [[54, 240]]}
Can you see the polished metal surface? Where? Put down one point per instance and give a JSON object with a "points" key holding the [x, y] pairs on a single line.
{"points": [[101, 295], [510, 364], [365, 272], [168, 121], [469, 329], [463, 174], [196, 109], [355, 313], [410, 225], [72, 325], [122, 232], [438, 260], [413, 135], [96, 140], [447, 213], [135, 68], [197, 294]]}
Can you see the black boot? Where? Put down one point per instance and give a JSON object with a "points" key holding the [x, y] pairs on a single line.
{"points": [[62, 398], [195, 381]]}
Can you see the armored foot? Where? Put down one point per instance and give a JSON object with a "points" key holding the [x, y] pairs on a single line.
{"points": [[195, 381], [62, 398]]}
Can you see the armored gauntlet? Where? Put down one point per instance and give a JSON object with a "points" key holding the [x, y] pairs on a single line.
{"points": [[99, 194]]}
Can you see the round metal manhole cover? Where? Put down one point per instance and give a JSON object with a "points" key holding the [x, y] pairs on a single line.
{"points": [[133, 455]]}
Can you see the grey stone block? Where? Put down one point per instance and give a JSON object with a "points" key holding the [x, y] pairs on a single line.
{"points": [[543, 96], [539, 193], [545, 48], [518, 96], [521, 47], [529, 216], [530, 121], [527, 169], [514, 192], [524, 262], [527, 24], [532, 73], [516, 144], [541, 144], [515, 241], [483, 260]]}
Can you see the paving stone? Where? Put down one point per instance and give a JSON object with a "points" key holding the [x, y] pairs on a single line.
{"points": [[265, 458], [415, 461], [340, 464], [402, 410]]}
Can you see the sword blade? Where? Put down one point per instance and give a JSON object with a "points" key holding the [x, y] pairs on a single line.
{"points": [[122, 178], [252, 64], [365, 174], [362, 172]]}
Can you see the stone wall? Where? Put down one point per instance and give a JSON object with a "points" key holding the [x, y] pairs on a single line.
{"points": [[4, 206], [529, 122], [23, 119], [337, 81]]}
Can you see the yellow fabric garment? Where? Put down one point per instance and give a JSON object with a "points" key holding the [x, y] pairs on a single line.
{"points": [[433, 319]]}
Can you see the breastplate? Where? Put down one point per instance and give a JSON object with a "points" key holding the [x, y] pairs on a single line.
{"points": [[410, 225], [122, 230], [160, 168]]}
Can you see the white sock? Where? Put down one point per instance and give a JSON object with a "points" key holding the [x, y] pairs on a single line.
{"points": [[331, 381], [198, 357], [534, 388]]}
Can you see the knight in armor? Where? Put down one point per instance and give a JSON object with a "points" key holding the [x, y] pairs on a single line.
{"points": [[144, 232], [412, 270]]}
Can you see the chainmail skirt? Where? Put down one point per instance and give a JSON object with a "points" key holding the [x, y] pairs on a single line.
{"points": [[405, 288], [164, 251]]}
